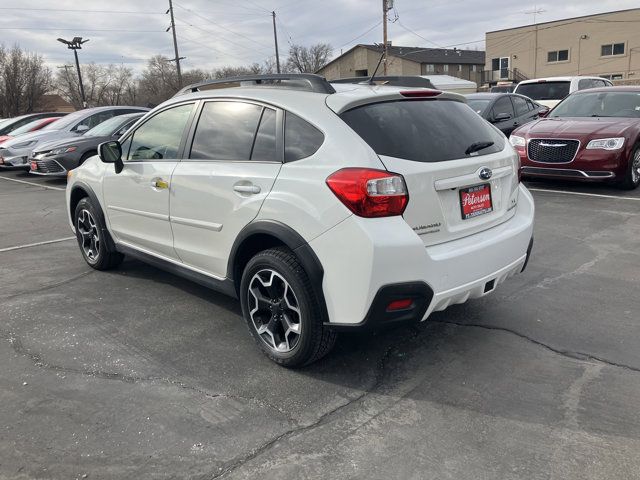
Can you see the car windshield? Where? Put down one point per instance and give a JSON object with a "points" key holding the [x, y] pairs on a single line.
{"points": [[108, 127], [544, 90], [25, 128], [424, 130], [67, 120], [478, 105], [600, 104]]}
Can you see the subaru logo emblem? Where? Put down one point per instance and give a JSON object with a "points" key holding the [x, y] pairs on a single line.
{"points": [[485, 173]]}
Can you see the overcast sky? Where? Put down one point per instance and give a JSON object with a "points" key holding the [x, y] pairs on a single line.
{"points": [[214, 33]]}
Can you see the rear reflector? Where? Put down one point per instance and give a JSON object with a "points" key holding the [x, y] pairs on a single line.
{"points": [[369, 192], [420, 93], [402, 304]]}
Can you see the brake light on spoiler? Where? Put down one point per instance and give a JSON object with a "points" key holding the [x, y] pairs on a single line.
{"points": [[420, 93]]}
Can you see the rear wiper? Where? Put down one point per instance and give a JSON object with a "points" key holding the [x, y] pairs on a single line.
{"points": [[475, 147]]}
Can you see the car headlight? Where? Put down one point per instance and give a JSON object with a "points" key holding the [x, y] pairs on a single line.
{"points": [[606, 144], [59, 151], [24, 144], [517, 141]]}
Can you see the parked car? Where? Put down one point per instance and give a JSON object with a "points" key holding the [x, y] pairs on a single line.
{"points": [[390, 80], [56, 158], [15, 153], [321, 209], [507, 111], [502, 88], [12, 123], [28, 127], [550, 91], [592, 135]]}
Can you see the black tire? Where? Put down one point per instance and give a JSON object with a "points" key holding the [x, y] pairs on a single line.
{"points": [[314, 339], [91, 235], [631, 179]]}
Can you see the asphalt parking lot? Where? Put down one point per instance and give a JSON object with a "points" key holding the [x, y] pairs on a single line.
{"points": [[136, 373]]}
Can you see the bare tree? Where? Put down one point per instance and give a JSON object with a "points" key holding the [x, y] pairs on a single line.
{"points": [[308, 59], [24, 79]]}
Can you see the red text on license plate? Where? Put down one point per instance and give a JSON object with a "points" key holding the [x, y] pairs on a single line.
{"points": [[475, 201], [34, 166]]}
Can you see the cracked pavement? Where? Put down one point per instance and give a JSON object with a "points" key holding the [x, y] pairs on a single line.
{"points": [[138, 373]]}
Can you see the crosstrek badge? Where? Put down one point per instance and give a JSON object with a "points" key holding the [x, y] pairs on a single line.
{"points": [[475, 201]]}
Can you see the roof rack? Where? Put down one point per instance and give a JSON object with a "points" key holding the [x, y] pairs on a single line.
{"points": [[296, 81]]}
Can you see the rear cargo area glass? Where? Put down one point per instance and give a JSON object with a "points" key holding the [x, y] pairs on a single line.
{"points": [[423, 130]]}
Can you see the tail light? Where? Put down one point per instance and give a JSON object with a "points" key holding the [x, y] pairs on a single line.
{"points": [[420, 93], [370, 193]]}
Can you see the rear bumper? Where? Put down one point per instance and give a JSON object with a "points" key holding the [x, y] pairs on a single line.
{"points": [[360, 257]]}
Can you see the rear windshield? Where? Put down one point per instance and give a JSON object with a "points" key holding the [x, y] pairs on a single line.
{"points": [[544, 90], [478, 105], [423, 130]]}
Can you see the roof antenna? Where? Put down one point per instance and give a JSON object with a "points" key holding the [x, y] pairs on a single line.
{"points": [[370, 81]]}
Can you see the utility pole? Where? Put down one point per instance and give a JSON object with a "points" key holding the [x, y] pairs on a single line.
{"points": [[275, 40], [76, 44], [385, 9], [175, 44]]}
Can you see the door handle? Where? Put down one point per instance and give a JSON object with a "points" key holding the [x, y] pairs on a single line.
{"points": [[160, 184], [246, 189]]}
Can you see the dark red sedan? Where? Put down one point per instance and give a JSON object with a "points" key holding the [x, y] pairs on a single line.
{"points": [[592, 135]]}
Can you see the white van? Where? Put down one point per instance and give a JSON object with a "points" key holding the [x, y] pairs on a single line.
{"points": [[551, 90]]}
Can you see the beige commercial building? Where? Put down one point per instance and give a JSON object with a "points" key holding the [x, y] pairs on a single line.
{"points": [[361, 61], [606, 44]]}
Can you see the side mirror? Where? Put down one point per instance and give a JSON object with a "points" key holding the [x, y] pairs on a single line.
{"points": [[501, 117], [543, 112], [81, 129], [111, 152]]}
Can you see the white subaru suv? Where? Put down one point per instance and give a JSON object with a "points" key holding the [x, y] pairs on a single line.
{"points": [[319, 209]]}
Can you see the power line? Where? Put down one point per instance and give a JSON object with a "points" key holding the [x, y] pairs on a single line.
{"points": [[66, 10], [418, 35], [219, 37], [83, 29], [361, 35]]}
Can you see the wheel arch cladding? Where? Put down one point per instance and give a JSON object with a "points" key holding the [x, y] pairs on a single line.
{"points": [[264, 234]]}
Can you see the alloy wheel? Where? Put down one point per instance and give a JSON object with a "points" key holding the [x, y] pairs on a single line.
{"points": [[90, 237], [635, 168], [274, 311]]}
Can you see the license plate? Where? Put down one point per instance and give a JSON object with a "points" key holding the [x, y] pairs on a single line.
{"points": [[475, 201], [34, 166]]}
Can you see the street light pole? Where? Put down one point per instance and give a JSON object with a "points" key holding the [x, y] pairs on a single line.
{"points": [[76, 44]]}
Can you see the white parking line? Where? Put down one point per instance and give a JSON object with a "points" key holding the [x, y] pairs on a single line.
{"points": [[32, 183], [37, 244], [584, 194]]}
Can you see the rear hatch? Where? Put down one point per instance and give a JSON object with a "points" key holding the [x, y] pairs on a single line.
{"points": [[546, 92], [461, 172]]}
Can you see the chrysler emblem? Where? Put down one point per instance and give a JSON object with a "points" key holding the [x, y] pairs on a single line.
{"points": [[485, 173]]}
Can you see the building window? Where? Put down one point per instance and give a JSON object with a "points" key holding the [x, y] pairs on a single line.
{"points": [[430, 68], [474, 68], [558, 56], [362, 73], [495, 64], [445, 68], [459, 68], [612, 76], [612, 49]]}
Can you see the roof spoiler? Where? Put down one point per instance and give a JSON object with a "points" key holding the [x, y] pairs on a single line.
{"points": [[294, 81]]}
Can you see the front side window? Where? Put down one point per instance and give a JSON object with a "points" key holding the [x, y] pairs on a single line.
{"points": [[159, 137], [612, 49]]}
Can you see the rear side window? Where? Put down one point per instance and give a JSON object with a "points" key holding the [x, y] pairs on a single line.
{"points": [[503, 106], [422, 130], [264, 146], [301, 139], [520, 105], [226, 131]]}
